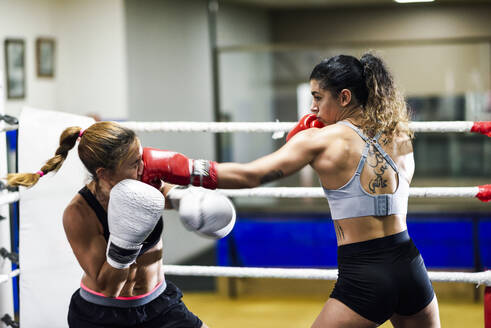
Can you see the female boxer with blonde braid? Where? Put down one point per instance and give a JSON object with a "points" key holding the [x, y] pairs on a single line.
{"points": [[114, 227], [358, 142]]}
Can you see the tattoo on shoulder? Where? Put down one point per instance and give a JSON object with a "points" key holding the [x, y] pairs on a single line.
{"points": [[272, 176]]}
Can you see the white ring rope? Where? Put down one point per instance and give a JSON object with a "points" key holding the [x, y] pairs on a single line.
{"points": [[224, 127], [215, 127], [317, 192], [221, 127], [6, 127], [245, 272], [9, 197], [419, 192], [8, 276], [309, 192], [479, 278], [445, 126]]}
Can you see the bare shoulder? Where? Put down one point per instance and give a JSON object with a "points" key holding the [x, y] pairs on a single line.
{"points": [[402, 153], [333, 132], [319, 140], [78, 216], [403, 143], [338, 143], [339, 135], [336, 129], [75, 209]]}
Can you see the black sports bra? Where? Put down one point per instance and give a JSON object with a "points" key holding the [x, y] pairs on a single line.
{"points": [[101, 214]]}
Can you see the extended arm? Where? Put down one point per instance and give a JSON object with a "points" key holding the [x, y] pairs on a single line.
{"points": [[294, 155], [302, 147]]}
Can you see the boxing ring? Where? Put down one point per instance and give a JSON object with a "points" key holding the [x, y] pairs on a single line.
{"points": [[59, 275]]}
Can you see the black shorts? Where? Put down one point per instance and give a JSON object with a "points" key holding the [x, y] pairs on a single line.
{"points": [[381, 277], [165, 311]]}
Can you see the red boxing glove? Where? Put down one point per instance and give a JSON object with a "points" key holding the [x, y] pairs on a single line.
{"points": [[177, 169], [306, 122]]}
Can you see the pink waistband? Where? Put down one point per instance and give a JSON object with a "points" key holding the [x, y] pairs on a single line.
{"points": [[124, 298]]}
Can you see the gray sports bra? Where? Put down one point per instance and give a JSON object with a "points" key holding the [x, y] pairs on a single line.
{"points": [[351, 200]]}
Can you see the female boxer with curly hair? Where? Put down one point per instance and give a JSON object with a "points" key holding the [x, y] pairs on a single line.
{"points": [[358, 141]]}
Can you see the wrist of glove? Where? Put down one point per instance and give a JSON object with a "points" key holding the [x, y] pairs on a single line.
{"points": [[203, 174], [206, 212], [120, 254]]}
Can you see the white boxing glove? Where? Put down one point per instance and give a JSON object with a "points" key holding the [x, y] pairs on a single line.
{"points": [[133, 211], [207, 212]]}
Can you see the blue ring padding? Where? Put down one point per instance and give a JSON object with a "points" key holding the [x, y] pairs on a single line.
{"points": [[446, 241], [12, 140]]}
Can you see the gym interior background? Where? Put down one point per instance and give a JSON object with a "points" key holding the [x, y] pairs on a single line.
{"points": [[246, 60]]}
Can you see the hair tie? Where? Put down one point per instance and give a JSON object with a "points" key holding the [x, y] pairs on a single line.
{"points": [[81, 133], [41, 173]]}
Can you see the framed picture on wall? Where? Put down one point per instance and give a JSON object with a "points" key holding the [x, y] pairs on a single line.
{"points": [[45, 57], [15, 69]]}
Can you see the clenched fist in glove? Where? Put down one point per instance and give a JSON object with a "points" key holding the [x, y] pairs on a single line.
{"points": [[133, 211], [177, 169], [206, 212], [306, 122]]}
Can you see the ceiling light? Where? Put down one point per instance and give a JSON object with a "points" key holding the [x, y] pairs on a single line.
{"points": [[409, 1]]}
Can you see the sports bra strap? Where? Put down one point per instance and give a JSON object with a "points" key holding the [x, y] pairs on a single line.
{"points": [[377, 136], [369, 141], [363, 159]]}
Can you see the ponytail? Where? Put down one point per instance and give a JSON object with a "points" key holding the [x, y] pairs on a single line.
{"points": [[385, 110], [68, 140]]}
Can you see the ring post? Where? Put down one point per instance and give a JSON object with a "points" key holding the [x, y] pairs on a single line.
{"points": [[487, 307], [6, 293]]}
